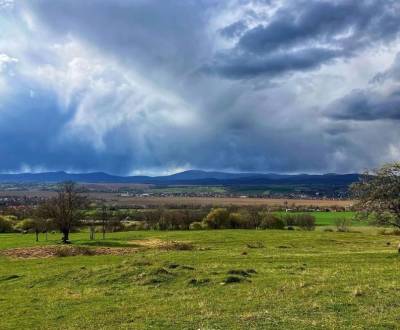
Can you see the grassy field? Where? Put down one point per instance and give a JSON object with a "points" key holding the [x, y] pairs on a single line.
{"points": [[328, 218], [287, 280]]}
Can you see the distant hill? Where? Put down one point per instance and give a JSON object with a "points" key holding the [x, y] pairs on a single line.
{"points": [[194, 177]]}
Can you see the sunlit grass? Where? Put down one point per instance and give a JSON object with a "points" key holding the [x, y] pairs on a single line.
{"points": [[302, 280]]}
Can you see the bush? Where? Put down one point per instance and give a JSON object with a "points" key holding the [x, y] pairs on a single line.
{"points": [[196, 226], [305, 221], [239, 220], [5, 226], [290, 220], [218, 218], [342, 224], [142, 225], [271, 221], [25, 225]]}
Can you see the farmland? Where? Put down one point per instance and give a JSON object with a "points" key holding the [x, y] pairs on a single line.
{"points": [[117, 198], [226, 201], [280, 279]]}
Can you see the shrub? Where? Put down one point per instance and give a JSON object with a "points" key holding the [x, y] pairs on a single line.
{"points": [[239, 220], [218, 218], [25, 225], [271, 221], [5, 226], [342, 224], [305, 221], [196, 226], [290, 220]]}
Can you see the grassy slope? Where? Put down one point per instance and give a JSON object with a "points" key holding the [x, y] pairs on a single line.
{"points": [[304, 280]]}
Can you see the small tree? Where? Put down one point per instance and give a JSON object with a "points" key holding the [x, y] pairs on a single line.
{"points": [[64, 209], [378, 192], [38, 226], [218, 218]]}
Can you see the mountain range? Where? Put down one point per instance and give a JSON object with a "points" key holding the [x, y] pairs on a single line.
{"points": [[193, 177]]}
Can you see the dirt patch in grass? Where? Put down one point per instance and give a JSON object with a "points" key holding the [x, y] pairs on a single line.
{"points": [[71, 250], [155, 243], [63, 251]]}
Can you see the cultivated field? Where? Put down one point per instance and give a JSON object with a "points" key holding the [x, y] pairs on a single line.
{"points": [[224, 201], [195, 201], [219, 279]]}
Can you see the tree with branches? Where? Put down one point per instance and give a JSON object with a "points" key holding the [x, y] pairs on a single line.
{"points": [[65, 209], [378, 193]]}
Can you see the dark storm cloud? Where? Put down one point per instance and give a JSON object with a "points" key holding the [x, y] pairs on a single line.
{"points": [[234, 29], [371, 104], [306, 34], [168, 35], [367, 105], [238, 67], [123, 85], [31, 129]]}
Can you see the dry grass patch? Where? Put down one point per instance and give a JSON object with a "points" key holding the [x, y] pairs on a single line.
{"points": [[63, 251], [155, 243]]}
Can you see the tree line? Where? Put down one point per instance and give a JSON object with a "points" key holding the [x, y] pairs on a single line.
{"points": [[377, 195]]}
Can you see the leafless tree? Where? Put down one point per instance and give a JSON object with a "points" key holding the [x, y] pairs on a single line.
{"points": [[105, 218], [64, 209]]}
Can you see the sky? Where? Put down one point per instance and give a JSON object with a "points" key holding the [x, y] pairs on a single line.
{"points": [[155, 86]]}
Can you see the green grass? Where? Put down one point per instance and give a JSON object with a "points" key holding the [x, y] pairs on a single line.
{"points": [[328, 218], [303, 280]]}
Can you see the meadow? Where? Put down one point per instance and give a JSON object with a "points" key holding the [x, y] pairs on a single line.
{"points": [[329, 218], [225, 279]]}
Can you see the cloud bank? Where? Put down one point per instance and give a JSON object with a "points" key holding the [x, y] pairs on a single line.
{"points": [[155, 86]]}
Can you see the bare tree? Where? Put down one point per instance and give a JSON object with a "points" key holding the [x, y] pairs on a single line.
{"points": [[64, 209], [378, 192], [104, 218]]}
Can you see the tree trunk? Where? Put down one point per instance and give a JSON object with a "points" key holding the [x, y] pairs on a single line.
{"points": [[37, 236], [65, 237]]}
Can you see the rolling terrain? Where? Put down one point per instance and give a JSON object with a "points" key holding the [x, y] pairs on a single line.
{"points": [[229, 279], [192, 177]]}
